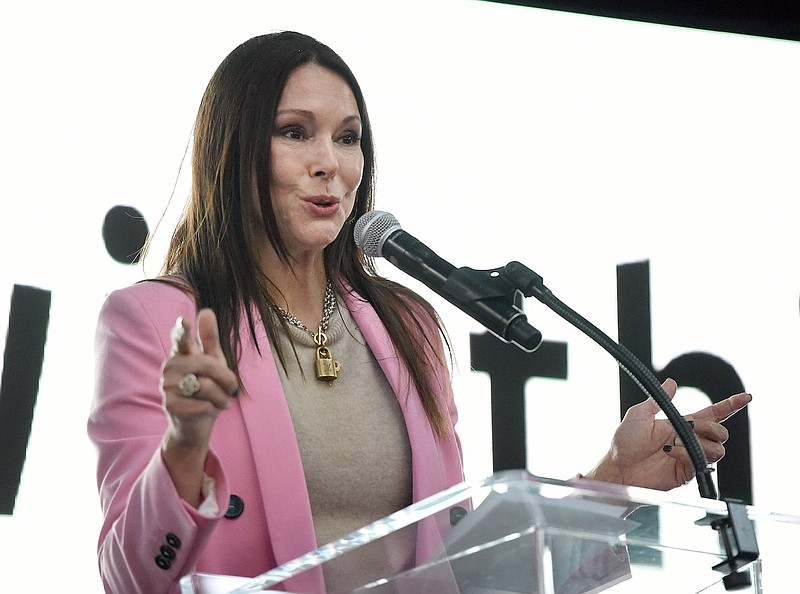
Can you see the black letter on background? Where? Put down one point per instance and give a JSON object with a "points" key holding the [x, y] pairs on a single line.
{"points": [[509, 368], [22, 367]]}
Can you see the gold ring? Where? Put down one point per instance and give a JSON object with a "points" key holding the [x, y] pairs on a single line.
{"points": [[189, 385]]}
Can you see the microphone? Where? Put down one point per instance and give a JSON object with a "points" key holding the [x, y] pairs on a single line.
{"points": [[494, 298], [487, 296]]}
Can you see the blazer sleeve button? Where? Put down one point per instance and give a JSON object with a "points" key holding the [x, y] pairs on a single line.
{"points": [[173, 541], [163, 563]]}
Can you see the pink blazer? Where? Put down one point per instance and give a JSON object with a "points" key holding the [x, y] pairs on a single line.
{"points": [[150, 538]]}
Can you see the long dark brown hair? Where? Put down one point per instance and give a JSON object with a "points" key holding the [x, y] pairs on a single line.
{"points": [[214, 246]]}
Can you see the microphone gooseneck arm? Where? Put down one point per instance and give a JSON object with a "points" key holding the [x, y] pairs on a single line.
{"points": [[736, 531], [532, 285]]}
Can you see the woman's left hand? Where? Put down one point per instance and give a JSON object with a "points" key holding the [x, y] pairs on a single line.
{"points": [[638, 456]]}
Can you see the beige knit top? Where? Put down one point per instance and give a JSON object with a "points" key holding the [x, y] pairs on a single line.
{"points": [[354, 447]]}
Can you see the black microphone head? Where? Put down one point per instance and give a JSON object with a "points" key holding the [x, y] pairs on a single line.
{"points": [[372, 229]]}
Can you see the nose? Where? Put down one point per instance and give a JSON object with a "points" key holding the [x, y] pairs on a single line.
{"points": [[324, 161]]}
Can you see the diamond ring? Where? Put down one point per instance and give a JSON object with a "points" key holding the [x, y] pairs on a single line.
{"points": [[189, 385]]}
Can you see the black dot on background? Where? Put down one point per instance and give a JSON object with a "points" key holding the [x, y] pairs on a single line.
{"points": [[124, 233]]}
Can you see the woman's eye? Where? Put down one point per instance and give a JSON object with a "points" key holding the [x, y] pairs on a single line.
{"points": [[293, 132], [350, 138]]}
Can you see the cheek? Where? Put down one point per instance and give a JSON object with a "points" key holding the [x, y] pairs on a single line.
{"points": [[354, 173], [279, 173], [282, 182]]}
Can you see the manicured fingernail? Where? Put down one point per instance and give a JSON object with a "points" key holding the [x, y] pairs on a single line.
{"points": [[691, 423], [667, 448], [235, 392]]}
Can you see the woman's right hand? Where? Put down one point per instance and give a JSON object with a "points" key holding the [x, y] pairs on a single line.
{"points": [[191, 414]]}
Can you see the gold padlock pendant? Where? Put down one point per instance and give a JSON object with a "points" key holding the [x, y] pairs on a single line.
{"points": [[327, 368]]}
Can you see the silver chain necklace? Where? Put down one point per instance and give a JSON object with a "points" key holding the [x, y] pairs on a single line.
{"points": [[326, 367]]}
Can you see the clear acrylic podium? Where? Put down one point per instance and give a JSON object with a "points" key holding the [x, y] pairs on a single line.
{"points": [[517, 533]]}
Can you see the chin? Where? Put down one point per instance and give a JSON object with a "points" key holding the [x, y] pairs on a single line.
{"points": [[321, 241], [329, 230]]}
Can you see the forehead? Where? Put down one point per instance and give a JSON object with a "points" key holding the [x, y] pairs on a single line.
{"points": [[314, 85]]}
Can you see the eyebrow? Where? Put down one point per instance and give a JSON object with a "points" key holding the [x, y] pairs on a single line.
{"points": [[310, 114]]}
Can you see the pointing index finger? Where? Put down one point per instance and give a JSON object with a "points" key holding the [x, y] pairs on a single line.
{"points": [[209, 333], [724, 409]]}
